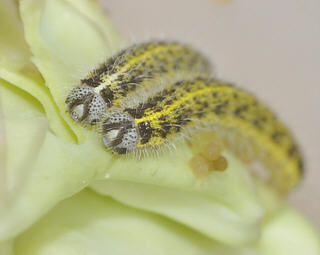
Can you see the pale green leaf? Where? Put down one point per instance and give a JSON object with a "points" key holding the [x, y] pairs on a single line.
{"points": [[95, 225], [39, 168], [68, 38], [16, 67], [224, 206], [91, 224]]}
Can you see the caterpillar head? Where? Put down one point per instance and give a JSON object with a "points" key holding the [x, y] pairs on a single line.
{"points": [[85, 105], [119, 133]]}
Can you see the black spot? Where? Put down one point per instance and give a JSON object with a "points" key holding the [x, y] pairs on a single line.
{"points": [[145, 131], [301, 166], [240, 109], [176, 66], [116, 141], [292, 150], [93, 81], [94, 122], [276, 136], [182, 120], [200, 114], [215, 94], [136, 113], [165, 129], [121, 151], [163, 69], [179, 83], [120, 77], [263, 119], [158, 109], [256, 123], [218, 110], [169, 102], [107, 95], [105, 68]]}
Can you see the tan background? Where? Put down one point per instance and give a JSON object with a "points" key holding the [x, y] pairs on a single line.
{"points": [[269, 47]]}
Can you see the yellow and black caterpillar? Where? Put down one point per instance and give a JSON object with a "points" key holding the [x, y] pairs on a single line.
{"points": [[185, 106], [133, 69]]}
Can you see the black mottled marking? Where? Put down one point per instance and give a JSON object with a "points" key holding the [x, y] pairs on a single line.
{"points": [[121, 151], [256, 123], [200, 114], [131, 84], [168, 92], [182, 119], [145, 131], [158, 109], [177, 128], [240, 109], [107, 96], [120, 77], [276, 136], [94, 122], [215, 94], [176, 66], [218, 110], [292, 150], [163, 70], [225, 103], [165, 129], [196, 100], [169, 102], [135, 112], [263, 119], [105, 68], [139, 112], [179, 83], [93, 81], [301, 166], [156, 58], [188, 89]]}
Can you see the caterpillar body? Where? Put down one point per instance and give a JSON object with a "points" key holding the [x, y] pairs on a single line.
{"points": [[182, 107], [133, 69]]}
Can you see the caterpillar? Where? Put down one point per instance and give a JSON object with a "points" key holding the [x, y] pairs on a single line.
{"points": [[133, 69], [185, 106]]}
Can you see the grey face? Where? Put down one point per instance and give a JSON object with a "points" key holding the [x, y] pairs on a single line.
{"points": [[119, 133], [85, 105]]}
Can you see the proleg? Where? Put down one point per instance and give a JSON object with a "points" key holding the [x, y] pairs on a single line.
{"points": [[133, 69], [185, 107]]}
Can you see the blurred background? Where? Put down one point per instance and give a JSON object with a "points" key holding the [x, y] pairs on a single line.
{"points": [[269, 47]]}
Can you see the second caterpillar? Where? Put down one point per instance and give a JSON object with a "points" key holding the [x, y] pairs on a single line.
{"points": [[184, 107]]}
